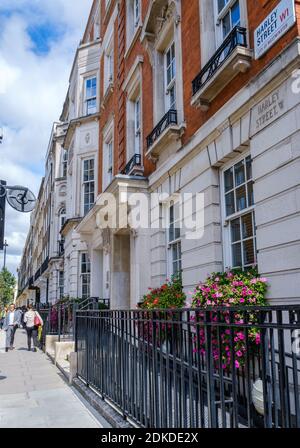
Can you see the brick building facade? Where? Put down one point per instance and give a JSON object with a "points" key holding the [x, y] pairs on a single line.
{"points": [[190, 97]]}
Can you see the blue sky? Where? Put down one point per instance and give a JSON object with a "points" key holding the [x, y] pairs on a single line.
{"points": [[38, 39]]}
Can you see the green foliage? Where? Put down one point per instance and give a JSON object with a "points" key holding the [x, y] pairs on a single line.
{"points": [[169, 295], [7, 286]]}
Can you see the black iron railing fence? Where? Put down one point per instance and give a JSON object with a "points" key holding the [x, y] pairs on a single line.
{"points": [[168, 119], [226, 368], [136, 160], [59, 319], [237, 37]]}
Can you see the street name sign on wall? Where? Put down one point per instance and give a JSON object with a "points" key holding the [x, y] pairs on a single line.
{"points": [[269, 109], [274, 26]]}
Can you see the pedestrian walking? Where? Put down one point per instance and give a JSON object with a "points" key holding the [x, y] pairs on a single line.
{"points": [[11, 322], [3, 313], [33, 321]]}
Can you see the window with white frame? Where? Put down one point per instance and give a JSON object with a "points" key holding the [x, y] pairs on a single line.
{"points": [[170, 77], [85, 275], [240, 238], [64, 163], [228, 17], [91, 95], [109, 65], [174, 238], [133, 17], [137, 126], [88, 183]]}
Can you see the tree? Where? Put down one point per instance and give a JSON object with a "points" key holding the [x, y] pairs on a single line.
{"points": [[7, 287]]}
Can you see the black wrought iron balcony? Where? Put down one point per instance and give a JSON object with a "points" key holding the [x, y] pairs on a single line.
{"points": [[170, 118], [134, 162], [238, 36], [45, 265]]}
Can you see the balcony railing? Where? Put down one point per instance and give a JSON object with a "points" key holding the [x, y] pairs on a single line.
{"points": [[45, 265], [237, 37], [136, 160], [168, 119]]}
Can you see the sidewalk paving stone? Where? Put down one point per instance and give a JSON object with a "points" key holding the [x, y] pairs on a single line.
{"points": [[34, 394]]}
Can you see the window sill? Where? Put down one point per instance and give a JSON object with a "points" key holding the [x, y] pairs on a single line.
{"points": [[238, 62]]}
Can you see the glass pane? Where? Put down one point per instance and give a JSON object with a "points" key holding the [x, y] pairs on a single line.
{"points": [[250, 194], [226, 25], [248, 249], [249, 168], [247, 227], [175, 268], [230, 209], [175, 252], [171, 233], [235, 230], [241, 199], [228, 179], [221, 4], [173, 98], [239, 172], [235, 15], [169, 75], [236, 255], [177, 231], [171, 214]]}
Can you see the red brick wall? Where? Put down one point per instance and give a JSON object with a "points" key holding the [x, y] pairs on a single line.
{"points": [[191, 57], [257, 11]]}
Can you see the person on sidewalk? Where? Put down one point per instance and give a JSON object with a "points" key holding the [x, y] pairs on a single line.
{"points": [[11, 322], [32, 320], [2, 316]]}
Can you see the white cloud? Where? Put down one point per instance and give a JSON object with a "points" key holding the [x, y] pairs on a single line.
{"points": [[32, 91]]}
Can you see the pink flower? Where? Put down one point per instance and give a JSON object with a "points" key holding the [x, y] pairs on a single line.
{"points": [[239, 354], [242, 300], [257, 339], [263, 280], [237, 364]]}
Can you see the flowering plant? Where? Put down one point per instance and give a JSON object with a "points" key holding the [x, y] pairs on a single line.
{"points": [[230, 289], [169, 295]]}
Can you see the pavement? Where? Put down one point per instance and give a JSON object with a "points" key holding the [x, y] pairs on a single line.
{"points": [[34, 393]]}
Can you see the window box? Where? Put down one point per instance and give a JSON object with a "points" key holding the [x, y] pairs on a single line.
{"points": [[165, 132], [231, 58]]}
